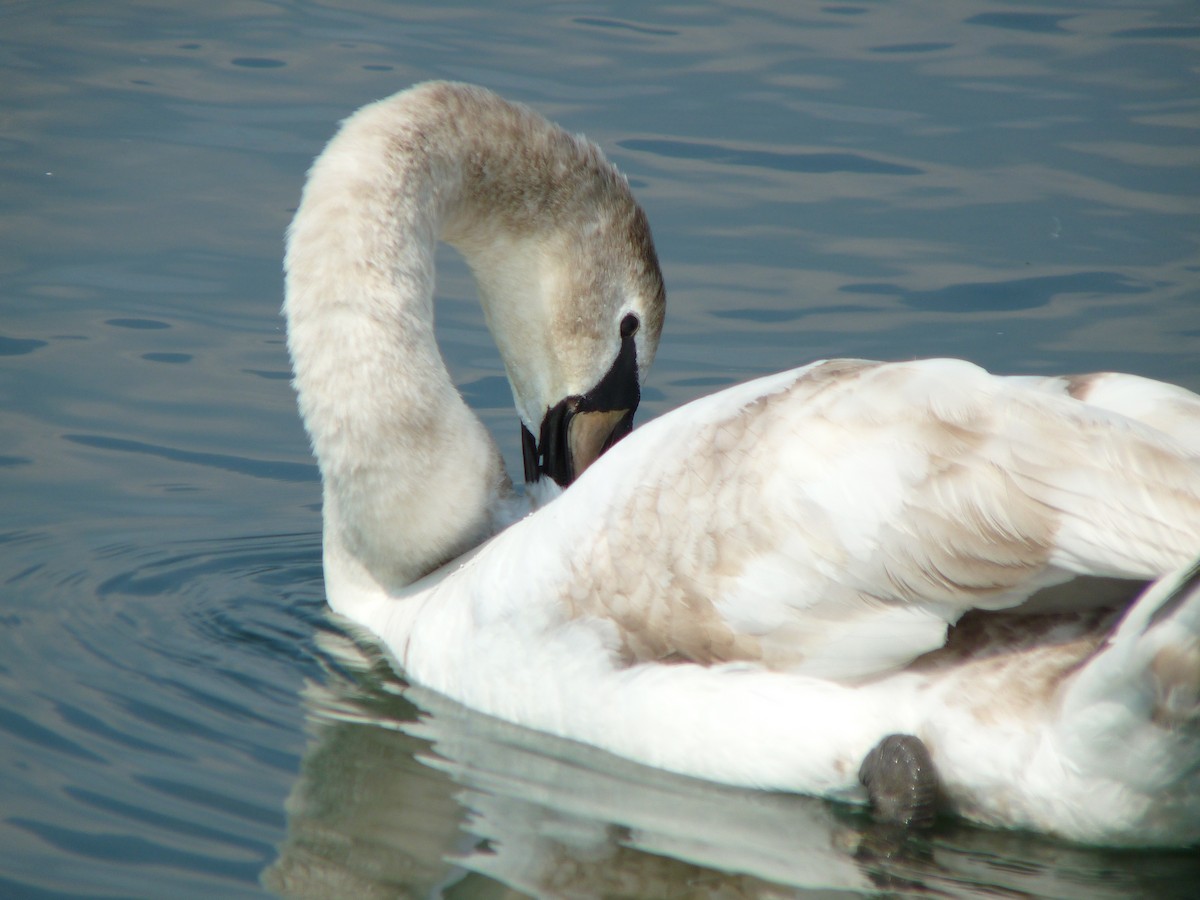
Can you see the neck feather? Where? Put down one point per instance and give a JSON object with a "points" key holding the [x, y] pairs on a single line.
{"points": [[411, 478]]}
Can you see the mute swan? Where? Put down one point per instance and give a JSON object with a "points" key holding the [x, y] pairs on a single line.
{"points": [[758, 587]]}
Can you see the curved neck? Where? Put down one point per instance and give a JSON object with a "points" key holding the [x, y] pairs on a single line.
{"points": [[559, 250], [411, 478]]}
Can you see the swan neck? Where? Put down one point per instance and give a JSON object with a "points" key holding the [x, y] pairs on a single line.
{"points": [[410, 476], [560, 252]]}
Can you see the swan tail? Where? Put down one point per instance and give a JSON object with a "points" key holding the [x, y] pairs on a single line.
{"points": [[1153, 655], [1127, 733], [1130, 718], [1168, 408]]}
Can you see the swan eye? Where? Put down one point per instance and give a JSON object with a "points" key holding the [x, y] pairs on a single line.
{"points": [[629, 326]]}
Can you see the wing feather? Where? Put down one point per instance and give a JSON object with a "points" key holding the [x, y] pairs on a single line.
{"points": [[835, 520]]}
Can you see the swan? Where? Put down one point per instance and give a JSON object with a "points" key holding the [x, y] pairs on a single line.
{"points": [[765, 586]]}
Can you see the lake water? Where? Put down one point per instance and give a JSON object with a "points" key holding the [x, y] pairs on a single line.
{"points": [[1013, 183]]}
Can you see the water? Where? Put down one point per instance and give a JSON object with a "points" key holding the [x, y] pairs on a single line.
{"points": [[1016, 184]]}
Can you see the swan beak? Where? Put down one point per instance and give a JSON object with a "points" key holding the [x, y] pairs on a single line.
{"points": [[589, 434], [578, 429], [572, 439]]}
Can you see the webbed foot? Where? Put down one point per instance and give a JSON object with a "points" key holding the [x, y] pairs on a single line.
{"points": [[901, 781]]}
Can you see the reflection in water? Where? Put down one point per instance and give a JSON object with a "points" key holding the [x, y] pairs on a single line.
{"points": [[405, 793]]}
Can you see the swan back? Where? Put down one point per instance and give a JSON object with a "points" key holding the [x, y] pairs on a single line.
{"points": [[833, 520]]}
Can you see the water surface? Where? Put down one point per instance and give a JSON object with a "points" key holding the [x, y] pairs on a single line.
{"points": [[1016, 184]]}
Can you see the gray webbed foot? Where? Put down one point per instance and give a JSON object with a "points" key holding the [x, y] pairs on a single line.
{"points": [[901, 781]]}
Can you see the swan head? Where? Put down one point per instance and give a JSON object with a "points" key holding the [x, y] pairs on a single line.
{"points": [[577, 366], [569, 281], [576, 430]]}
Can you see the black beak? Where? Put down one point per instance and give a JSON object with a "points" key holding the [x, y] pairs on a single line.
{"points": [[578, 429]]}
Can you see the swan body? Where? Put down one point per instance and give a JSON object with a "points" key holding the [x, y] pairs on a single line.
{"points": [[757, 587]]}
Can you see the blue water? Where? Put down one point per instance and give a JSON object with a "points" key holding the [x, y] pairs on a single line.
{"points": [[1014, 183]]}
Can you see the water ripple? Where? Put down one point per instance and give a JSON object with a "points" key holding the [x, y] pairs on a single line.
{"points": [[813, 162], [1004, 296], [221, 802], [169, 666], [275, 470], [98, 728], [18, 346], [1031, 23], [158, 820], [128, 849], [25, 729]]}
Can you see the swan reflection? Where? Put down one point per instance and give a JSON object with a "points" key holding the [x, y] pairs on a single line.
{"points": [[405, 793]]}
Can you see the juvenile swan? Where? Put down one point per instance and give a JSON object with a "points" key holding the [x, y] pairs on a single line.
{"points": [[759, 587]]}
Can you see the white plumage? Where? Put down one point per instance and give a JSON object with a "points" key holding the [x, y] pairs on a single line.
{"points": [[756, 587]]}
